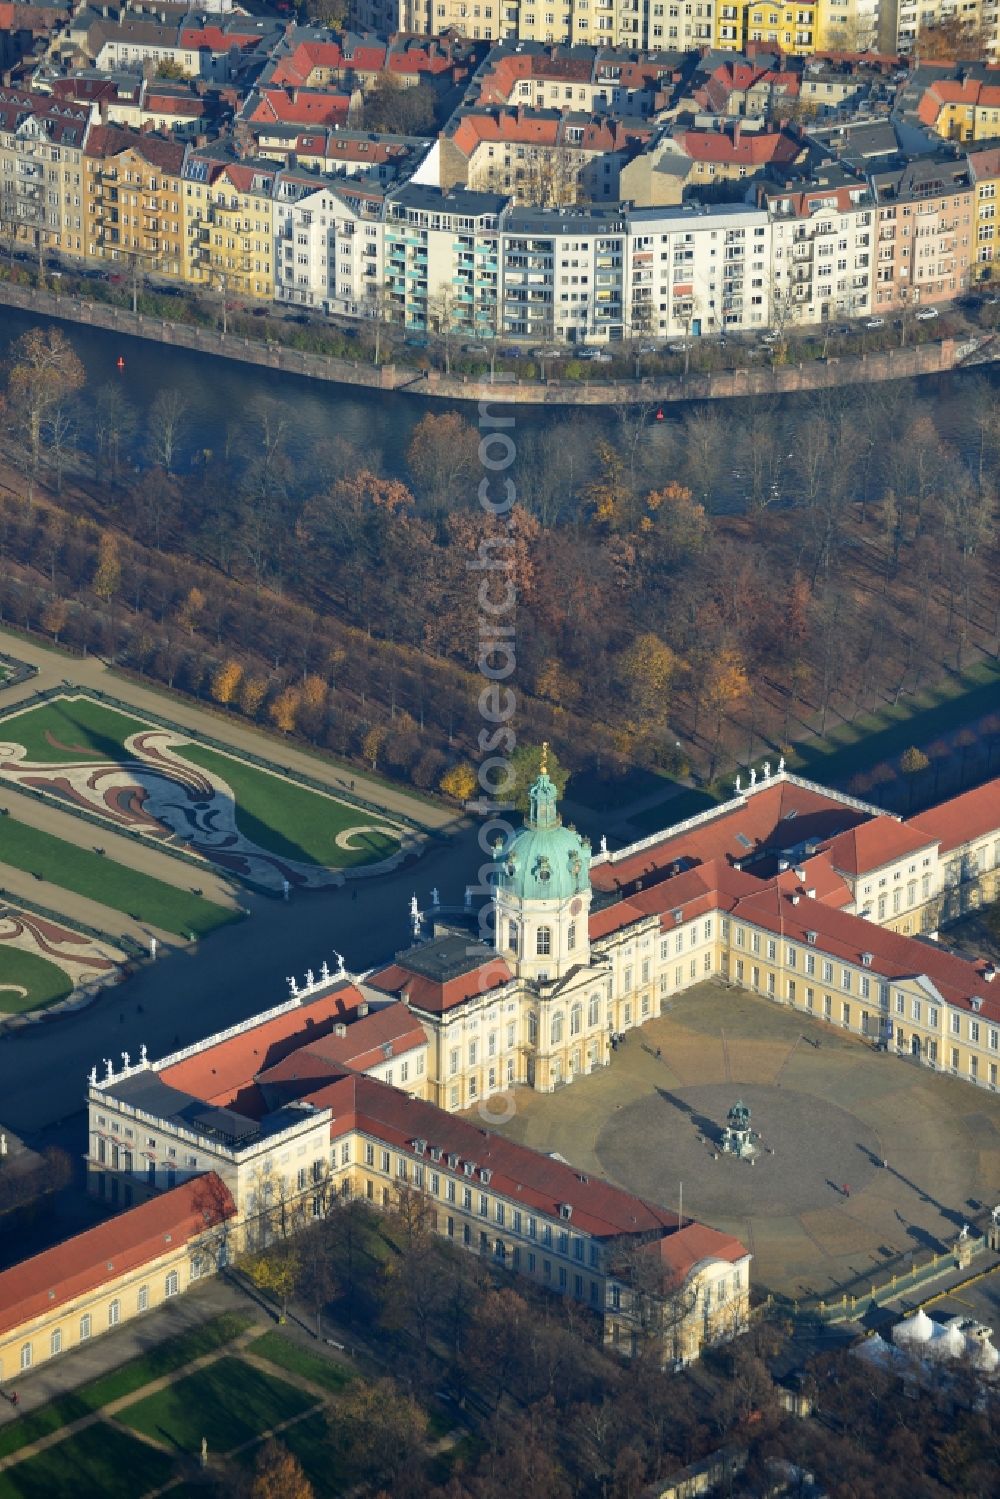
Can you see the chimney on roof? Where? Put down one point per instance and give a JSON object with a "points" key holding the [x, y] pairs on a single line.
{"points": [[989, 973], [800, 873], [811, 893], [362, 1009]]}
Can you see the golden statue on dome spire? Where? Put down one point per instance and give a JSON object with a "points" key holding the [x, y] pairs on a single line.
{"points": [[544, 767]]}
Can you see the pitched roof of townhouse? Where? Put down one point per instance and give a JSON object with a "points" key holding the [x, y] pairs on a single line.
{"points": [[89, 1260], [65, 120], [780, 815], [297, 106], [544, 127], [964, 818], [520, 1174], [840, 935], [971, 93], [739, 147], [871, 845], [738, 77], [111, 140], [217, 1072], [442, 974]]}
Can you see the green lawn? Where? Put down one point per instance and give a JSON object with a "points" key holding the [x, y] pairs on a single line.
{"points": [[287, 1354], [99, 1461], [918, 720], [44, 981], [114, 885], [288, 819], [173, 1353], [70, 728], [228, 1403], [310, 1442]]}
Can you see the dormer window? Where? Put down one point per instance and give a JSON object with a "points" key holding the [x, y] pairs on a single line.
{"points": [[678, 917], [419, 1147], [866, 959], [468, 1167], [452, 1161], [435, 1152], [485, 1175], [566, 1211], [811, 938], [976, 1003]]}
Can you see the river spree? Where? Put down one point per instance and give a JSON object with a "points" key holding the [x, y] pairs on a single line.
{"points": [[221, 395]]}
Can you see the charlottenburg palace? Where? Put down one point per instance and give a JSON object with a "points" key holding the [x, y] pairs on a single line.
{"points": [[386, 1083]]}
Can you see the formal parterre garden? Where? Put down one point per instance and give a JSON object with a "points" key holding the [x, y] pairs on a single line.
{"points": [[141, 1427], [253, 821], [44, 960]]}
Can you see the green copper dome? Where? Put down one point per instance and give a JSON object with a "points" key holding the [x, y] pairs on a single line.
{"points": [[544, 860]]}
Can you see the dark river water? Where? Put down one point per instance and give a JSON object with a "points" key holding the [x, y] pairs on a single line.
{"points": [[221, 394]]}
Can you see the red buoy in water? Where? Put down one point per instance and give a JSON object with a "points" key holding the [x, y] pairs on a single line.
{"points": [[120, 363], [659, 414]]}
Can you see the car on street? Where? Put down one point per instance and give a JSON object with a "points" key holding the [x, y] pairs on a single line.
{"points": [[875, 322], [926, 314], [474, 349]]}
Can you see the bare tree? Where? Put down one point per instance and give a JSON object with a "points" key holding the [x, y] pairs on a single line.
{"points": [[166, 416]]}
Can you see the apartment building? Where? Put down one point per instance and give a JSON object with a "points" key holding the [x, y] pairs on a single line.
{"points": [[791, 27], [961, 109], [440, 266], [228, 223], [676, 24], [41, 170], [924, 212], [904, 25], [587, 80], [132, 202], [330, 245], [547, 158], [823, 250], [985, 170], [695, 271]]}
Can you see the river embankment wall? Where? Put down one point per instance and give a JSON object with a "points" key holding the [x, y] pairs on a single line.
{"points": [[935, 357]]}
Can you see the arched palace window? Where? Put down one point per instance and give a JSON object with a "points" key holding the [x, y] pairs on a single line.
{"points": [[543, 941]]}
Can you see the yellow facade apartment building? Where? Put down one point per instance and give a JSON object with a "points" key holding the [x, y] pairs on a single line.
{"points": [[132, 209]]}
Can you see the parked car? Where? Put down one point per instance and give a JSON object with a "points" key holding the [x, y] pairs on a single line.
{"points": [[647, 348], [474, 349], [875, 322], [926, 314]]}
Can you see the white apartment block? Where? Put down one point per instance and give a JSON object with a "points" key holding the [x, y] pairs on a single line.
{"points": [[328, 250], [823, 254]]}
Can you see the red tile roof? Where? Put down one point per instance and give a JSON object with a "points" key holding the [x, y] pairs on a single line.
{"points": [[217, 1073], [756, 148], [299, 107], [871, 845], [963, 819], [361, 1048], [520, 1174], [435, 996], [840, 935], [778, 816], [112, 140], [680, 1252], [102, 1254]]}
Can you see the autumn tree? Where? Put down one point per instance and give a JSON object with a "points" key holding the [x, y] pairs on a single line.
{"points": [[275, 1270], [278, 1474], [609, 493], [108, 576], [283, 710], [460, 781], [54, 617], [371, 747], [190, 610], [726, 686], [380, 1433], [226, 682], [648, 668], [443, 459]]}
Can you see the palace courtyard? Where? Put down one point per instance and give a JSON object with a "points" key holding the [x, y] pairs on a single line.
{"points": [[829, 1110]]}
